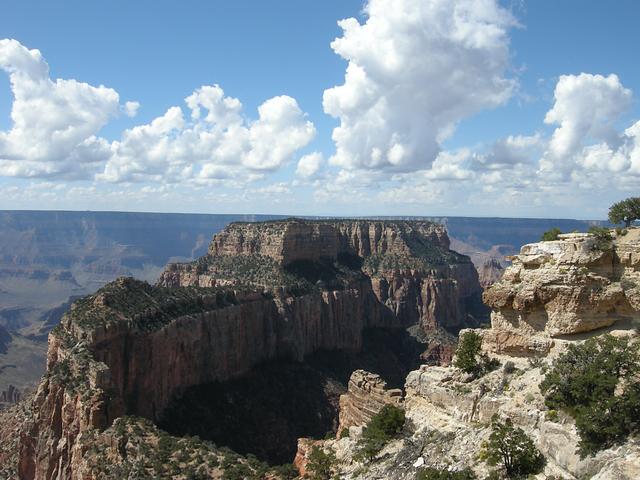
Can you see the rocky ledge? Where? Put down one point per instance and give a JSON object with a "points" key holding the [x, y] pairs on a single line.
{"points": [[565, 287], [367, 393]]}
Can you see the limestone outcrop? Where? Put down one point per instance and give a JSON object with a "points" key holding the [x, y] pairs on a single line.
{"points": [[367, 393], [572, 285]]}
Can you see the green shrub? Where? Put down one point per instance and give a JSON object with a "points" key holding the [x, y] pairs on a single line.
{"points": [[321, 464], [468, 356], [386, 424], [344, 433], [596, 383], [603, 237], [286, 472], [551, 235], [431, 473], [512, 449]]}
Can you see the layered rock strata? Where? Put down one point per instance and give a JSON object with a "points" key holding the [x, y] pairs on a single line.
{"points": [[408, 264], [556, 294], [279, 290], [367, 393], [575, 284]]}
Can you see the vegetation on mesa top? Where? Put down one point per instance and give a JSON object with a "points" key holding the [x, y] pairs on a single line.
{"points": [[302, 276], [147, 307], [328, 221], [299, 277], [152, 453]]}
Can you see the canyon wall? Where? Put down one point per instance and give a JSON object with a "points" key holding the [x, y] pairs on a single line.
{"points": [[277, 290], [411, 269], [572, 285], [555, 295]]}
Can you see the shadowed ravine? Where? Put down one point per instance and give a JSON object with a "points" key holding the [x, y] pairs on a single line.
{"points": [[266, 411]]}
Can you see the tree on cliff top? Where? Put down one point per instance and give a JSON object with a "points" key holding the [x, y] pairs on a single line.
{"points": [[321, 464], [627, 211], [469, 358], [550, 235], [384, 425]]}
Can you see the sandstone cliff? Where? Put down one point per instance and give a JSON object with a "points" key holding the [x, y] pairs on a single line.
{"points": [[413, 274], [278, 290], [575, 284]]}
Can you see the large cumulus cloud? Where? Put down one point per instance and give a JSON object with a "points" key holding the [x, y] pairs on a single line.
{"points": [[415, 69], [214, 142], [56, 123]]}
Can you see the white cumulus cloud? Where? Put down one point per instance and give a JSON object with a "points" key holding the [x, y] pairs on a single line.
{"points": [[131, 108], [586, 108], [54, 122], [213, 143], [415, 69], [309, 165], [55, 126]]}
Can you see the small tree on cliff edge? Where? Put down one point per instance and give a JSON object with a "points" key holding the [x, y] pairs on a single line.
{"points": [[469, 358], [510, 447], [627, 211]]}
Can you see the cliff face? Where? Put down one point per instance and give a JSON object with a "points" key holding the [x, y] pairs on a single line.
{"points": [[555, 294], [279, 290], [290, 240], [575, 284], [366, 395], [490, 272], [412, 272]]}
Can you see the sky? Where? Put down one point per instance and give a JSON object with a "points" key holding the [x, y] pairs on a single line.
{"points": [[379, 107]]}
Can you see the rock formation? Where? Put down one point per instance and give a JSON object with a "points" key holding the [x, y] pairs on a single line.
{"points": [[366, 395], [490, 272], [408, 264], [277, 290], [555, 294], [575, 284], [10, 395]]}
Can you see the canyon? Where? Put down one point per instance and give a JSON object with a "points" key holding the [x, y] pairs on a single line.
{"points": [[554, 296], [48, 259], [279, 291]]}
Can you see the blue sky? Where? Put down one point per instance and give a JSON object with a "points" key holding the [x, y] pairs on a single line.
{"points": [[474, 142]]}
